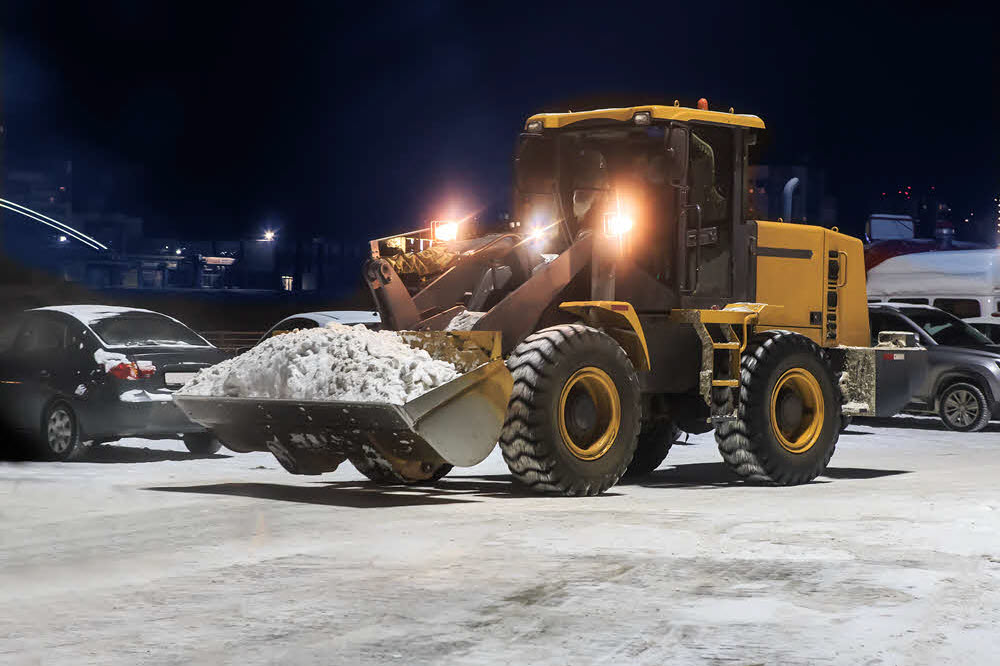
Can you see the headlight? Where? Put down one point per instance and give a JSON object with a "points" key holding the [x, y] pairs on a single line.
{"points": [[617, 224], [444, 230], [534, 126], [642, 118]]}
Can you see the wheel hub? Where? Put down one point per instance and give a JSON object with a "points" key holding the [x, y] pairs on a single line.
{"points": [[59, 431], [961, 408], [589, 413], [797, 410]]}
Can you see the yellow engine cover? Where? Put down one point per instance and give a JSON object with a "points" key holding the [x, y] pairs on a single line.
{"points": [[817, 276]]}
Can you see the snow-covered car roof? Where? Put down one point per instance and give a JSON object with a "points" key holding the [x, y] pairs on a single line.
{"points": [[89, 314], [324, 317]]}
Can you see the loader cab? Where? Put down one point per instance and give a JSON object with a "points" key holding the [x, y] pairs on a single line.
{"points": [[672, 175]]}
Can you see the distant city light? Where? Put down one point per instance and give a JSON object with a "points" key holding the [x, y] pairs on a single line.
{"points": [[62, 239], [177, 251], [269, 235]]}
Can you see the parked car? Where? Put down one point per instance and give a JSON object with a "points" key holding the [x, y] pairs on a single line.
{"points": [[963, 379], [75, 373], [316, 319], [988, 326]]}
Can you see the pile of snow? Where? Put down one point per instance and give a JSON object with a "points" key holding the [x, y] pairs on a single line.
{"points": [[335, 362]]}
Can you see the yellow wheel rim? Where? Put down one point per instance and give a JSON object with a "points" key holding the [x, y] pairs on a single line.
{"points": [[589, 413], [797, 410]]}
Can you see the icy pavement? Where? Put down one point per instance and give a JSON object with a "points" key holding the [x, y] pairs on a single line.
{"points": [[153, 556]]}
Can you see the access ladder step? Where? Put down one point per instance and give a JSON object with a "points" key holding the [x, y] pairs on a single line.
{"points": [[726, 382], [725, 345]]}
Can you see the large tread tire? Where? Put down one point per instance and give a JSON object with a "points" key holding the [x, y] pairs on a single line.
{"points": [[381, 472], [957, 404], [656, 438], [530, 441], [748, 444]]}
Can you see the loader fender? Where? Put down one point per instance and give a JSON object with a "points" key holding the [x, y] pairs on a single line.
{"points": [[620, 321]]}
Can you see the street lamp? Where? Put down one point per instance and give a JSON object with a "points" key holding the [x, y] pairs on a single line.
{"points": [[269, 235]]}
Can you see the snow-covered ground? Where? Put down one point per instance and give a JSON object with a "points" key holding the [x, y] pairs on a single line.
{"points": [[150, 555]]}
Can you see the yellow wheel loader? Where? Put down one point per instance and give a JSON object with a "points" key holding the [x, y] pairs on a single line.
{"points": [[628, 298]]}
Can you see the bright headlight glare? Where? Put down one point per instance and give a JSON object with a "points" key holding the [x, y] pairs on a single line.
{"points": [[617, 224], [444, 230], [642, 118]]}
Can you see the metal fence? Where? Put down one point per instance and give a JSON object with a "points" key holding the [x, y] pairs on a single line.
{"points": [[232, 340]]}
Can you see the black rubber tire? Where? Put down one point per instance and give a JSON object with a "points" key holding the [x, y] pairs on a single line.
{"points": [[530, 440], [51, 446], [845, 422], [202, 443], [381, 472], [964, 392], [655, 441], [748, 444]]}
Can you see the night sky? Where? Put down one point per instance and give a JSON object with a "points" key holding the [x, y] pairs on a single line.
{"points": [[363, 119]]}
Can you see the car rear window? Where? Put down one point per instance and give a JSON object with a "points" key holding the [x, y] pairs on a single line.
{"points": [[145, 330], [963, 308]]}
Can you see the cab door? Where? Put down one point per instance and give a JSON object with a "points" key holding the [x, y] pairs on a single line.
{"points": [[708, 215]]}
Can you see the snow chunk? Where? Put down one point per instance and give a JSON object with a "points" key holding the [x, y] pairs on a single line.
{"points": [[109, 359], [335, 362], [464, 321]]}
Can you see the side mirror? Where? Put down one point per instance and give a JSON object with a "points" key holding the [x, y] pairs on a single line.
{"points": [[677, 154]]}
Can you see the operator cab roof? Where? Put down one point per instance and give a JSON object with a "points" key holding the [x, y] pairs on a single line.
{"points": [[656, 112]]}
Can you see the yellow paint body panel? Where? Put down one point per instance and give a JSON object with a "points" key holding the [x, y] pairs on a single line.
{"points": [[620, 316], [793, 270], [658, 112]]}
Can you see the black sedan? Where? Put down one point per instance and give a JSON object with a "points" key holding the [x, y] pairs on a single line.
{"points": [[98, 373]]}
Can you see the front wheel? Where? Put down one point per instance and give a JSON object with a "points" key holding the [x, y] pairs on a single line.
{"points": [[573, 416], [964, 408], [788, 420], [60, 434]]}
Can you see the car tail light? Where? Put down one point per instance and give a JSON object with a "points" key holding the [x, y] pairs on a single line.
{"points": [[129, 370], [123, 371]]}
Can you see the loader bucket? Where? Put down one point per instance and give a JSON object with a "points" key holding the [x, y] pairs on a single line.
{"points": [[456, 423]]}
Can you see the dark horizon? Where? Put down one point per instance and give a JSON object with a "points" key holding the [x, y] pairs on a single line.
{"points": [[364, 121]]}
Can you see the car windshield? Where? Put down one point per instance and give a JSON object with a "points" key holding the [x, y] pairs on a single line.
{"points": [[945, 329], [145, 330]]}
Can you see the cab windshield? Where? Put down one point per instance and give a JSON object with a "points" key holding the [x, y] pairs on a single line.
{"points": [[592, 170], [946, 329]]}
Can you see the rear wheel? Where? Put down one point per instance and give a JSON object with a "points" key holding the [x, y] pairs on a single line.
{"points": [[573, 417], [202, 443], [964, 408], [60, 433], [655, 440], [788, 419]]}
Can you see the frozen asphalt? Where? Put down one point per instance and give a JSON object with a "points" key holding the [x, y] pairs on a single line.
{"points": [[150, 555]]}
